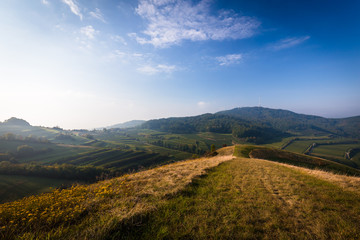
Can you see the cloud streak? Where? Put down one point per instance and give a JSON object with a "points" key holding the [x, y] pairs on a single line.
{"points": [[89, 31], [229, 59], [160, 68], [169, 22], [288, 43], [98, 15], [73, 7]]}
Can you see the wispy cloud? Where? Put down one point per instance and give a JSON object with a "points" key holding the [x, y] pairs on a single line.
{"points": [[45, 2], [73, 7], [172, 21], [229, 59], [98, 15], [89, 31], [288, 43], [118, 39], [160, 68]]}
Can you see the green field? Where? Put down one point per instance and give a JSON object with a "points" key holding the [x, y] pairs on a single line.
{"points": [[116, 159], [337, 150], [45, 153], [15, 187], [296, 159]]}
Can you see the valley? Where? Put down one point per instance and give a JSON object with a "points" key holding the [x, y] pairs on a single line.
{"points": [[209, 176]]}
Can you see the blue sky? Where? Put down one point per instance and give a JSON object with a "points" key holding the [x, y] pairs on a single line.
{"points": [[93, 63]]}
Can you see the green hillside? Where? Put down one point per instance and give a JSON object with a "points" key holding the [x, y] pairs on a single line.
{"points": [[296, 159], [240, 198], [259, 125], [285, 120], [252, 199], [116, 159]]}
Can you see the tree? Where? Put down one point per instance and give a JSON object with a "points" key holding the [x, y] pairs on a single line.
{"points": [[212, 149]]}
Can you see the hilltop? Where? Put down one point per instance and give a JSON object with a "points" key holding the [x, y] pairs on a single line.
{"points": [[15, 122], [234, 198], [258, 125], [285, 120]]}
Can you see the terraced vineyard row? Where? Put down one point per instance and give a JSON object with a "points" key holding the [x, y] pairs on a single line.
{"points": [[115, 158]]}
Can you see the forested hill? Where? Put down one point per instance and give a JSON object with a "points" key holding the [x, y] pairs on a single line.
{"points": [[258, 122], [285, 120], [216, 123]]}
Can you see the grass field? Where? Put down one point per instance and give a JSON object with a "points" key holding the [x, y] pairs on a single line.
{"points": [[252, 199], [136, 138], [337, 150], [239, 199], [57, 153], [92, 212], [15, 187], [53, 152], [296, 159], [124, 160]]}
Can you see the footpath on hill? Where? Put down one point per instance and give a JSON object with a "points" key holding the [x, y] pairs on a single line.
{"points": [[253, 199]]}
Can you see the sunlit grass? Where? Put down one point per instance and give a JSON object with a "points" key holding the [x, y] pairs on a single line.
{"points": [[90, 211], [253, 199]]}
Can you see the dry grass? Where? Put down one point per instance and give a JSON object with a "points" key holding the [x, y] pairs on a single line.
{"points": [[253, 199], [346, 182], [102, 205], [159, 182]]}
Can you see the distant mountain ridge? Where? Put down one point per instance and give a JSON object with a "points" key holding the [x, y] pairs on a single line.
{"points": [[258, 123], [129, 124], [286, 120]]}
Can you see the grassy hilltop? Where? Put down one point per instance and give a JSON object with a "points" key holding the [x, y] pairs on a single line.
{"points": [[235, 198]]}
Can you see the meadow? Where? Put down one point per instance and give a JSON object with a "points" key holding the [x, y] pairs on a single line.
{"points": [[252, 199], [92, 211], [207, 198], [282, 156]]}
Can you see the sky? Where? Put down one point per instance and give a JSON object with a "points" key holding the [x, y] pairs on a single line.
{"points": [[94, 63]]}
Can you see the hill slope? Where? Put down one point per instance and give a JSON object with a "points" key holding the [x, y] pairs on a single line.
{"points": [[253, 199], [258, 121], [285, 120], [241, 198], [296, 159]]}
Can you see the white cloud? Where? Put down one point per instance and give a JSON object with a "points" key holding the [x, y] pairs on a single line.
{"points": [[73, 7], [98, 15], [229, 59], [89, 31], [288, 43], [172, 21], [160, 68], [45, 2]]}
